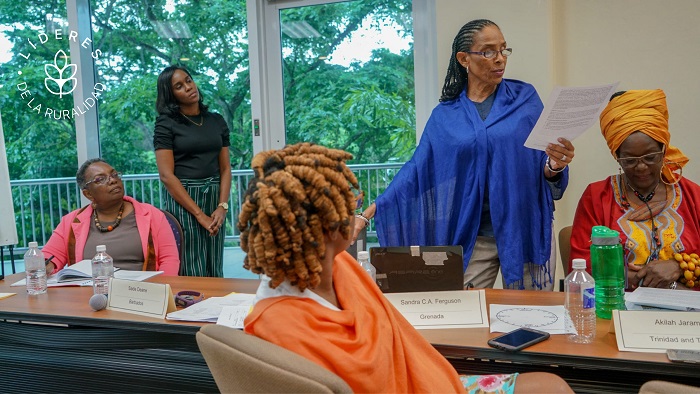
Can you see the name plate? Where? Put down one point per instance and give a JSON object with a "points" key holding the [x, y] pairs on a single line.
{"points": [[655, 331], [141, 298], [442, 309]]}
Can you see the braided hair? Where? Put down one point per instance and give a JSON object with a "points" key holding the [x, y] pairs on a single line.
{"points": [[298, 194], [456, 78]]}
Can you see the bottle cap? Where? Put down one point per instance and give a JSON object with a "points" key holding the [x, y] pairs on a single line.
{"points": [[363, 254], [33, 244], [601, 235], [579, 264], [101, 248]]}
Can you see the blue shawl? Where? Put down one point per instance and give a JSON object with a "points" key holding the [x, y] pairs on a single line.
{"points": [[437, 196]]}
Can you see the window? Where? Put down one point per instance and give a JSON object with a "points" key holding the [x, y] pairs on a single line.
{"points": [[316, 88], [138, 39]]}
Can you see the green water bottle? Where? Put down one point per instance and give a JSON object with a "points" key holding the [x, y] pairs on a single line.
{"points": [[608, 269]]}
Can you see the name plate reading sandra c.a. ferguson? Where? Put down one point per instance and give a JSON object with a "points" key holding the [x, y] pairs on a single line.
{"points": [[141, 298], [442, 309], [655, 331]]}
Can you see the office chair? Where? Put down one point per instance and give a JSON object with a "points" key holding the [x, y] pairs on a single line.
{"points": [[564, 252], [177, 232], [242, 363]]}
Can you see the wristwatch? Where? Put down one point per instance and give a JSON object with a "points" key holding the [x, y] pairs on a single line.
{"points": [[223, 205]]}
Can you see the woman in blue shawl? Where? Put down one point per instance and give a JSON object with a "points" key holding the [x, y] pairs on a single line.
{"points": [[471, 181]]}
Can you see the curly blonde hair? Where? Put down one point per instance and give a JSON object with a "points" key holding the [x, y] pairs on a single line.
{"points": [[298, 194]]}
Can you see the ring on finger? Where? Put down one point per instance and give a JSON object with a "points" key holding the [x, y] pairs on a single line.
{"points": [[563, 158]]}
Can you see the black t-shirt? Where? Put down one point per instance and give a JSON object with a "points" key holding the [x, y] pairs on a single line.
{"points": [[195, 148]]}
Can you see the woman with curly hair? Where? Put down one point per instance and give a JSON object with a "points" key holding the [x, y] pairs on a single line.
{"points": [[315, 299]]}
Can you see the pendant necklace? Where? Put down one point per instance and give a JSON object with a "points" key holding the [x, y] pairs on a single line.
{"points": [[655, 242], [201, 120]]}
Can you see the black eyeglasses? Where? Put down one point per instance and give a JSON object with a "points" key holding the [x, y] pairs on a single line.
{"points": [[491, 54], [104, 179], [649, 159]]}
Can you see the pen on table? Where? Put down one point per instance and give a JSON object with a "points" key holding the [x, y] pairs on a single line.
{"points": [[47, 261]]}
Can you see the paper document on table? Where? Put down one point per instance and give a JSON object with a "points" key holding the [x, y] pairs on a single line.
{"points": [[550, 318], [568, 113], [210, 309], [53, 281], [665, 298], [234, 316]]}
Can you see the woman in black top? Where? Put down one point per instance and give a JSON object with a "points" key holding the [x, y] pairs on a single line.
{"points": [[192, 154]]}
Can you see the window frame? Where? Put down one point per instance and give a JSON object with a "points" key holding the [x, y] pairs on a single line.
{"points": [[266, 80]]}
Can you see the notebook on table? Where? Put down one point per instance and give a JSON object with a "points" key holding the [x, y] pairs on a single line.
{"points": [[402, 269]]}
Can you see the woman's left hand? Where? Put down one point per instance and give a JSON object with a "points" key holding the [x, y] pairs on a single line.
{"points": [[661, 273], [218, 216], [561, 154]]}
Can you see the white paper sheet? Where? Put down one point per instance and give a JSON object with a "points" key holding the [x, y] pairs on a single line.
{"points": [[506, 318], [233, 316], [569, 112], [210, 309], [678, 300]]}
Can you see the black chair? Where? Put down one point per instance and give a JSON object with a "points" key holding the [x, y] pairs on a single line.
{"points": [[177, 232]]}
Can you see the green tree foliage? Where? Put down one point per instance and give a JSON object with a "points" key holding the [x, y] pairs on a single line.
{"points": [[367, 108]]}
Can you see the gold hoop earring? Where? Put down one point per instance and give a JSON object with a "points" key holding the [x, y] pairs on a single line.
{"points": [[673, 174]]}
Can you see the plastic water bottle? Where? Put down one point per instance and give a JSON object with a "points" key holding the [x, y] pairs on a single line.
{"points": [[608, 269], [363, 259], [35, 269], [580, 303], [102, 270]]}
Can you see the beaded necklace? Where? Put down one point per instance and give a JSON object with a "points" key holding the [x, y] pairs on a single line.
{"points": [[655, 244], [113, 226]]}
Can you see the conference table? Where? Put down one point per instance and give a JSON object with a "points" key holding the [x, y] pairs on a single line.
{"points": [[56, 342]]}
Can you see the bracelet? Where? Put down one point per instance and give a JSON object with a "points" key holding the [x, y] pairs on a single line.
{"points": [[690, 265], [549, 166], [361, 216]]}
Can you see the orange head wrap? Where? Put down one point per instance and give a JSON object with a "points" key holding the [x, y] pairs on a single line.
{"points": [[644, 111]]}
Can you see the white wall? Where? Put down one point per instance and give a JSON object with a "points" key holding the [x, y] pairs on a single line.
{"points": [[644, 44]]}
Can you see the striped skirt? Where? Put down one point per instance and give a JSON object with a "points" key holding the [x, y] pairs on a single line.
{"points": [[203, 255]]}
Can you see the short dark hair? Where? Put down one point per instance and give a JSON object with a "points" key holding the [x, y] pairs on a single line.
{"points": [[456, 79], [80, 175], [616, 94], [166, 104]]}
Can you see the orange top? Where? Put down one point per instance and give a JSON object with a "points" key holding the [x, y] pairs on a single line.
{"points": [[644, 111], [367, 343]]}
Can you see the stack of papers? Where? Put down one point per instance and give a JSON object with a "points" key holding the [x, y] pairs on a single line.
{"points": [[653, 298], [80, 274], [229, 311]]}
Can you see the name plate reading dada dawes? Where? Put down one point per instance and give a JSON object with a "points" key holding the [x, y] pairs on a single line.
{"points": [[141, 298], [442, 309], [655, 331]]}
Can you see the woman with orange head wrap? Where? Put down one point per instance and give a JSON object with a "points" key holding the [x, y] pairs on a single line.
{"points": [[653, 207]]}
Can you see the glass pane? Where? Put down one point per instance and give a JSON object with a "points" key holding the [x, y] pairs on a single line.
{"points": [[348, 77], [138, 39], [37, 78]]}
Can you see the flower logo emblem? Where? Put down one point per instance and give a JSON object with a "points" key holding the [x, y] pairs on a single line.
{"points": [[56, 80]]}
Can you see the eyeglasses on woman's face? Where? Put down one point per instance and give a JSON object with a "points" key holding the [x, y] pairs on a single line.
{"points": [[648, 159], [104, 179], [491, 54]]}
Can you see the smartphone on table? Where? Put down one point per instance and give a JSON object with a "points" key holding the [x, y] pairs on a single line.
{"points": [[518, 339]]}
